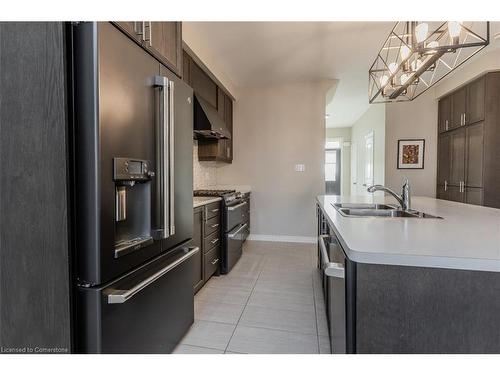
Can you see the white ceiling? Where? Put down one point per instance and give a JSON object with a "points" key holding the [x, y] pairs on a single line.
{"points": [[262, 53]]}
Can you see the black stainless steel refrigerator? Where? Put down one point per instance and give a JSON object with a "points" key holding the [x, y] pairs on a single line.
{"points": [[133, 196]]}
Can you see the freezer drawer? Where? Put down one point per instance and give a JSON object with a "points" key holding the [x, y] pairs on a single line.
{"points": [[233, 248], [235, 215], [146, 311]]}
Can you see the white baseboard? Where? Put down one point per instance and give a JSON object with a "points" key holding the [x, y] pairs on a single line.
{"points": [[272, 238]]}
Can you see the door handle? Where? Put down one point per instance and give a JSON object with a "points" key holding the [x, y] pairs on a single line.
{"points": [[122, 296], [331, 269], [144, 37], [171, 145], [161, 226], [232, 208], [232, 235]]}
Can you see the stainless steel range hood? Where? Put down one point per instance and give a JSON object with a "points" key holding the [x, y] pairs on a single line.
{"points": [[207, 122]]}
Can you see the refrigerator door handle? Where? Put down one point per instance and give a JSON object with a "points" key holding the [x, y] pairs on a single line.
{"points": [[171, 155], [162, 225], [122, 296]]}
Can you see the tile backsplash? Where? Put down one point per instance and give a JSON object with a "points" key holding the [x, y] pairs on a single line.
{"points": [[204, 172]]}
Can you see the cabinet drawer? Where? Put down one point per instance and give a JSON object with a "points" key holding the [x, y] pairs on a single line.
{"points": [[212, 225], [211, 262], [211, 241], [212, 210]]}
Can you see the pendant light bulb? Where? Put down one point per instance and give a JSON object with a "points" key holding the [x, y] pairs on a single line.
{"points": [[434, 44], [383, 80], [405, 52], [454, 28], [393, 67], [421, 31], [415, 65]]}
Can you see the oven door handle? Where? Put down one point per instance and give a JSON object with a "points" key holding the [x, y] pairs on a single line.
{"points": [[232, 208], [122, 296], [329, 268], [232, 235]]}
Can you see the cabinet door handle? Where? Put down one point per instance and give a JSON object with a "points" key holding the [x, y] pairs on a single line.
{"points": [[465, 119], [214, 262], [214, 225], [215, 210], [445, 185], [446, 125], [214, 241]]}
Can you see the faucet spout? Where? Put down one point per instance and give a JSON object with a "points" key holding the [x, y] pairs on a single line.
{"points": [[403, 199]]}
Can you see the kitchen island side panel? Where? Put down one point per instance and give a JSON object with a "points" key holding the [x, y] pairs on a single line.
{"points": [[403, 309]]}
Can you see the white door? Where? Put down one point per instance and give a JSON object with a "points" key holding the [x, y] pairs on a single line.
{"points": [[367, 163], [354, 169]]}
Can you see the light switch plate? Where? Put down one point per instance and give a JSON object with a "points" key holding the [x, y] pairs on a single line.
{"points": [[300, 167]]}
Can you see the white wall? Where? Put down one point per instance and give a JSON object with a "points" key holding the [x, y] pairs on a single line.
{"points": [[345, 156], [276, 127], [373, 120], [418, 119]]}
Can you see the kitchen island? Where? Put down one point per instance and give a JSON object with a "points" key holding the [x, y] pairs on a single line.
{"points": [[412, 285]]}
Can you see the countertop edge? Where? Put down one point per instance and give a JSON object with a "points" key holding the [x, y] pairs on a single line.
{"points": [[205, 202], [462, 263]]}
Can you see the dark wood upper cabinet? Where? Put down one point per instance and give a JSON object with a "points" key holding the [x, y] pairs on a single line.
{"points": [[221, 102], [475, 102], [444, 114], [458, 107], [203, 85], [132, 28], [474, 135], [228, 107], [457, 155], [186, 68], [444, 159], [162, 39], [469, 157]]}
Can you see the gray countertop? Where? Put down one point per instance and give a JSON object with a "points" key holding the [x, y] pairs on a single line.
{"points": [[202, 201], [468, 237]]}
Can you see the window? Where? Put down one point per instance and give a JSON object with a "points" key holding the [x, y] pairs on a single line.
{"points": [[330, 165], [332, 147]]}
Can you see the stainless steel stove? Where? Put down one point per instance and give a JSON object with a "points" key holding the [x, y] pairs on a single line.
{"points": [[235, 224]]}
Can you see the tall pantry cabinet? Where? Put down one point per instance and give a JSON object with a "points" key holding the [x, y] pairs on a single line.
{"points": [[469, 143]]}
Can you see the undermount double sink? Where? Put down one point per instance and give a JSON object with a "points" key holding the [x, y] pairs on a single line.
{"points": [[378, 210]]}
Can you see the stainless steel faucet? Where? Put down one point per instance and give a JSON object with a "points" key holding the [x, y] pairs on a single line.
{"points": [[403, 199]]}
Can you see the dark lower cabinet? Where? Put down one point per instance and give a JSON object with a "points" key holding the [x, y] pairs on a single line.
{"points": [[207, 236], [198, 241]]}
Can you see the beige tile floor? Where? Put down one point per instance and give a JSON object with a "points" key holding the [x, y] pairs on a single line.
{"points": [[271, 302]]}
